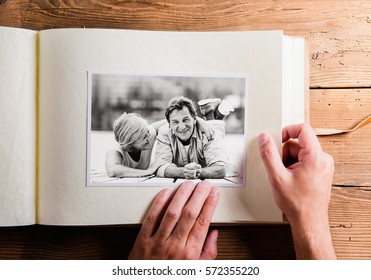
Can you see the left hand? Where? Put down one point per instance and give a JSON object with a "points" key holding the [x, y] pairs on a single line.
{"points": [[181, 232]]}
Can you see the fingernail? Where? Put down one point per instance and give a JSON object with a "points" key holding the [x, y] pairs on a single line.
{"points": [[262, 139], [163, 195], [165, 192], [188, 184], [214, 191]]}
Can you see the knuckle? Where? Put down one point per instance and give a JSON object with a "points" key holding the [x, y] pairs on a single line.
{"points": [[171, 250], [203, 220], [189, 254], [190, 214], [266, 153], [151, 218], [210, 203], [327, 161], [171, 214], [212, 253], [144, 243]]}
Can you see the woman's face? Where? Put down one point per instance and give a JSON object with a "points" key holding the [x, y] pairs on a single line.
{"points": [[144, 142]]}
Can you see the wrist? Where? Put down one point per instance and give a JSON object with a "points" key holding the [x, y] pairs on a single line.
{"points": [[174, 172], [312, 237]]}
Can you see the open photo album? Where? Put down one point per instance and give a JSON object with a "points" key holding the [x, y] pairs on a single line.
{"points": [[95, 122]]}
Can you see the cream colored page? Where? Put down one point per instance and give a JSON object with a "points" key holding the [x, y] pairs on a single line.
{"points": [[294, 82], [17, 126], [67, 55]]}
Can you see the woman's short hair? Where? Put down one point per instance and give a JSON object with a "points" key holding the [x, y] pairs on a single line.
{"points": [[128, 128], [178, 103]]}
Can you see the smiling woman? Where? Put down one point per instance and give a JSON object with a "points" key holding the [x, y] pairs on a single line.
{"points": [[133, 133], [136, 139]]}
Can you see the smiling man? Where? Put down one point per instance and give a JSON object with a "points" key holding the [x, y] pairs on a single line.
{"points": [[183, 147]]}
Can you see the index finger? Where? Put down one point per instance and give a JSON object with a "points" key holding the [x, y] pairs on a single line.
{"points": [[304, 133]]}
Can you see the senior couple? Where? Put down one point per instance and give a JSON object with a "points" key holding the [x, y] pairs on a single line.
{"points": [[186, 146]]}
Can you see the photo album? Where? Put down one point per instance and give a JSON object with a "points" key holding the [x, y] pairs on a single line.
{"points": [[95, 122]]}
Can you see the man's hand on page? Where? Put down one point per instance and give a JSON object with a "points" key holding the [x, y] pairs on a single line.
{"points": [[177, 227]]}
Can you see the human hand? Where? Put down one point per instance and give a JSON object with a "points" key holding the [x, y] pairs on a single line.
{"points": [[179, 230], [192, 170], [301, 184]]}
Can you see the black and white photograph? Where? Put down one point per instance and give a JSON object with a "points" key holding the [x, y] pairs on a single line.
{"points": [[157, 130]]}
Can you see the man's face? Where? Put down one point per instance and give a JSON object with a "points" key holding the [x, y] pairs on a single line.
{"points": [[182, 123]]}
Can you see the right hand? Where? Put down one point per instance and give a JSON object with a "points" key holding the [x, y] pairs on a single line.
{"points": [[301, 184], [192, 170]]}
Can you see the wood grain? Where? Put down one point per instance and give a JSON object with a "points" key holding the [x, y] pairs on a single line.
{"points": [[339, 36], [343, 109], [49, 242], [340, 47], [350, 218]]}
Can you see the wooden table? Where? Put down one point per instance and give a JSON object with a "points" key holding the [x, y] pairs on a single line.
{"points": [[339, 36]]}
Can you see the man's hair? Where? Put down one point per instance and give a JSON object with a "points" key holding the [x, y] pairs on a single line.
{"points": [[178, 103]]}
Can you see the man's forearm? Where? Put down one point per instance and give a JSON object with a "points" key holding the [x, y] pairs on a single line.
{"points": [[174, 172], [210, 172], [123, 171], [213, 172], [312, 240]]}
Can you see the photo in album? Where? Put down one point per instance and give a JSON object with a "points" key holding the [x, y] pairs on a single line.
{"points": [[157, 130]]}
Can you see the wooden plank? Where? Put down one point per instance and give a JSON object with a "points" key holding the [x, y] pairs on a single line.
{"points": [[50, 242], [343, 109], [10, 12], [338, 32], [339, 39], [350, 218]]}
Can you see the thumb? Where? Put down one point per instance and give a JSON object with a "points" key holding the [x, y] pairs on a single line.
{"points": [[210, 249], [271, 158]]}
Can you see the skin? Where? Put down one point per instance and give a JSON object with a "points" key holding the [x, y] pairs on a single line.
{"points": [[301, 185], [143, 143], [177, 227], [182, 124], [114, 165]]}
